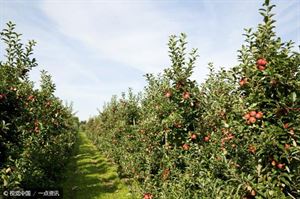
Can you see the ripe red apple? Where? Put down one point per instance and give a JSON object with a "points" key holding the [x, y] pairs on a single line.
{"points": [[193, 136], [280, 166], [286, 125], [186, 147], [252, 120], [253, 192], [252, 149], [253, 113], [31, 97], [206, 138], [261, 62], [186, 95], [247, 116], [261, 68], [168, 94], [259, 115], [243, 81], [148, 196]]}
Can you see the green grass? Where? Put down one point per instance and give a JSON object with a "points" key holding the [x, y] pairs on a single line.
{"points": [[90, 176]]}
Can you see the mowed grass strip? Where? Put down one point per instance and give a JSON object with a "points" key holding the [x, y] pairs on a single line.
{"points": [[89, 175]]}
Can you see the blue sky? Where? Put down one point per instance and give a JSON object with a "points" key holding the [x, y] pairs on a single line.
{"points": [[97, 48]]}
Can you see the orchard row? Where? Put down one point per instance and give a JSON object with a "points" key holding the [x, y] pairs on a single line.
{"points": [[37, 131], [237, 135]]}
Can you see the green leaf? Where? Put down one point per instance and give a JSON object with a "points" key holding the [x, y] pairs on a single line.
{"points": [[294, 97], [5, 183]]}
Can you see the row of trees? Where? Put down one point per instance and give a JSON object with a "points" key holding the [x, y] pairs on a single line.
{"points": [[237, 135], [37, 131]]}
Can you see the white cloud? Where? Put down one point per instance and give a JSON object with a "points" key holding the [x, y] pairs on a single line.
{"points": [[131, 33], [98, 48]]}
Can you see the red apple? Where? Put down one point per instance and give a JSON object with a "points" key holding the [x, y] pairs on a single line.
{"points": [[243, 81], [259, 115], [148, 196], [280, 166], [253, 113], [261, 68], [193, 136], [261, 62], [186, 95], [168, 94], [206, 138], [286, 125], [252, 120], [186, 147], [31, 97], [253, 192], [252, 149], [247, 116]]}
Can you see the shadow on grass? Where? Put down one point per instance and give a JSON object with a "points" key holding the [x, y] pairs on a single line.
{"points": [[89, 175]]}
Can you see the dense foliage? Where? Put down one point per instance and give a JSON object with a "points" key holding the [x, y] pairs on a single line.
{"points": [[234, 136], [37, 131]]}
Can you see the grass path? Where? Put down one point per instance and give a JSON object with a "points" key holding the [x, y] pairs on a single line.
{"points": [[90, 176]]}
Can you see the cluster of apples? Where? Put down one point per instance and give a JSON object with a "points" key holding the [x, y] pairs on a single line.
{"points": [[278, 165], [252, 116], [185, 94], [261, 64], [206, 138]]}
